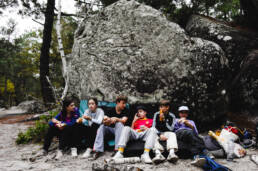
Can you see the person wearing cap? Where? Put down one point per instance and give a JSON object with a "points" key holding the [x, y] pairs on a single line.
{"points": [[187, 133], [140, 130], [183, 122], [164, 122]]}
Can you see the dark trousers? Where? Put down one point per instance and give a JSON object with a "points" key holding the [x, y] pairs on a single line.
{"points": [[64, 136], [87, 133], [191, 141]]}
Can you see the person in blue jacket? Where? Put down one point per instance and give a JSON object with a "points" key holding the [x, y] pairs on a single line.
{"points": [[62, 127]]}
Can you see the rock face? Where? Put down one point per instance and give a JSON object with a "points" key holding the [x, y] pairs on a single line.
{"points": [[131, 49], [242, 76], [32, 106], [235, 42], [246, 86]]}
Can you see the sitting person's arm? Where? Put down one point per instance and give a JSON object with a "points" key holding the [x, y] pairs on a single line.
{"points": [[122, 120], [56, 119], [106, 120], [99, 118], [188, 123], [134, 120]]}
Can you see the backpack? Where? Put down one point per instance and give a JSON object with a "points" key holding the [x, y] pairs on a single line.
{"points": [[211, 165]]}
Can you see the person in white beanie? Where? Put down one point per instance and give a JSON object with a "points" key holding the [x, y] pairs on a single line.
{"points": [[187, 133]]}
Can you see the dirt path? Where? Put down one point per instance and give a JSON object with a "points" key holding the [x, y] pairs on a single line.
{"points": [[11, 119], [13, 157]]}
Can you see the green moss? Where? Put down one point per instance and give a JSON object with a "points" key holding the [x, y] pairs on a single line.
{"points": [[36, 133]]}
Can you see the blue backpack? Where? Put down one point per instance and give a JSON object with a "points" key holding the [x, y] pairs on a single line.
{"points": [[211, 165]]}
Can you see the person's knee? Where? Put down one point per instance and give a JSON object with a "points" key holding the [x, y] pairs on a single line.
{"points": [[170, 134], [126, 129], [153, 130], [119, 125], [100, 129]]}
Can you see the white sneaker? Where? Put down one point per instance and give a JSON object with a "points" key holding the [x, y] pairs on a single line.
{"points": [[118, 155], [200, 162], [74, 152], [172, 158], [87, 153], [145, 157], [158, 159], [41, 153], [59, 154]]}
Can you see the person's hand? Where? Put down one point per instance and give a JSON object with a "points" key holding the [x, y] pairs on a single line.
{"points": [[58, 125], [62, 126], [163, 138], [161, 116], [242, 152], [86, 117], [107, 121], [136, 117], [113, 120], [79, 120], [143, 127], [186, 122], [57, 122], [182, 120]]}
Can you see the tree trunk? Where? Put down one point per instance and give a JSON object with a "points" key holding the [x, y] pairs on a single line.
{"points": [[61, 50], [46, 91]]}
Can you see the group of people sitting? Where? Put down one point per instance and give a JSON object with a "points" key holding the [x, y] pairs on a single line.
{"points": [[94, 125]]}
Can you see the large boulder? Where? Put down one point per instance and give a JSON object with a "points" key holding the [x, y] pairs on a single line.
{"points": [[235, 42], [132, 49], [238, 45]]}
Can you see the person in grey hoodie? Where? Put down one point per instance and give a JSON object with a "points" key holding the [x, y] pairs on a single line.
{"points": [[87, 126]]}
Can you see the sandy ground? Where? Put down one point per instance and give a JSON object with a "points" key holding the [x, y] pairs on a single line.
{"points": [[23, 157]]}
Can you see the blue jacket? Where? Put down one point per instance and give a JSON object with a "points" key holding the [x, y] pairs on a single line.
{"points": [[75, 116]]}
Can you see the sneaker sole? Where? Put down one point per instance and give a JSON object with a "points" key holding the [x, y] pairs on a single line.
{"points": [[201, 162], [158, 161], [146, 162], [173, 160]]}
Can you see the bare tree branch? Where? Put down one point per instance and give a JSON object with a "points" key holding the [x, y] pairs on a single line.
{"points": [[37, 22], [52, 87]]}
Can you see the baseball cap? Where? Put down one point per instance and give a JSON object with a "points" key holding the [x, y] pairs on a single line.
{"points": [[183, 108]]}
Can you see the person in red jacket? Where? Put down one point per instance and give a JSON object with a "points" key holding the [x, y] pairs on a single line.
{"points": [[141, 129]]}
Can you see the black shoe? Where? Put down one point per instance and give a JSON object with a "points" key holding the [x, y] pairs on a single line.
{"points": [[96, 155]]}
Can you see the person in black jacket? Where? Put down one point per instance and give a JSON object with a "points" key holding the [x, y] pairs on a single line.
{"points": [[164, 122]]}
